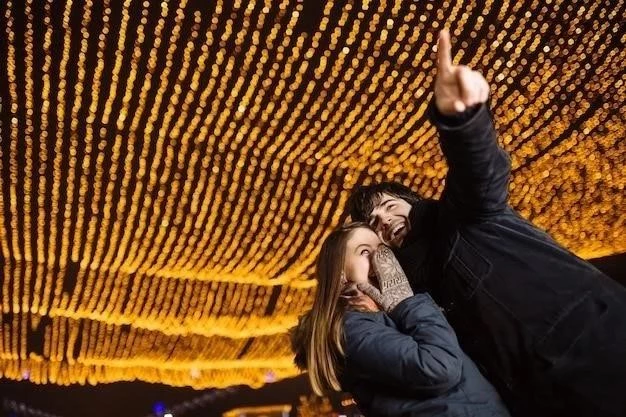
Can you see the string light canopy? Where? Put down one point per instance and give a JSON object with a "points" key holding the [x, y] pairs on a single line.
{"points": [[260, 411], [170, 169]]}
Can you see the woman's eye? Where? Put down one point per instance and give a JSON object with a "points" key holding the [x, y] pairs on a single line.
{"points": [[365, 252]]}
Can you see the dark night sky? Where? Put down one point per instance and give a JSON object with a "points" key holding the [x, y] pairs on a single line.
{"points": [[137, 399]]}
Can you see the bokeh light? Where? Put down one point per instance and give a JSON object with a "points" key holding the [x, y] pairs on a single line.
{"points": [[169, 169]]}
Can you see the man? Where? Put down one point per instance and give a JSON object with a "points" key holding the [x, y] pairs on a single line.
{"points": [[545, 326]]}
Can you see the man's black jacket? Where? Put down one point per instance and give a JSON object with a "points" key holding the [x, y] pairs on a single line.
{"points": [[545, 326]]}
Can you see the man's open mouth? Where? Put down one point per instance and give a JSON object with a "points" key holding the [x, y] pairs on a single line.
{"points": [[396, 231]]}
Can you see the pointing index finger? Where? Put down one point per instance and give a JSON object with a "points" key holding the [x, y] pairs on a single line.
{"points": [[444, 52]]}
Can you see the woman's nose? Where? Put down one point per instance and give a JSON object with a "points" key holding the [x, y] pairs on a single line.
{"points": [[371, 273]]}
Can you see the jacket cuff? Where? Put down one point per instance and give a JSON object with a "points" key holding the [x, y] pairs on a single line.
{"points": [[408, 304], [457, 121]]}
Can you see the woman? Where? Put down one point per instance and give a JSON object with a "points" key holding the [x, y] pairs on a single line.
{"points": [[392, 350]]}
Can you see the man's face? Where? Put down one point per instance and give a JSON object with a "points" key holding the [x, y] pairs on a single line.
{"points": [[390, 219]]}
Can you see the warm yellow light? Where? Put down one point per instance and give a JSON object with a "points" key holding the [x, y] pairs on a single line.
{"points": [[169, 173]]}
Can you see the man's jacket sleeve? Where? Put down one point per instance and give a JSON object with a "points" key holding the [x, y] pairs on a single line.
{"points": [[478, 169], [422, 354]]}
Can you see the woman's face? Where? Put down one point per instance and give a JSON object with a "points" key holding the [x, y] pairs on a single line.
{"points": [[361, 245]]}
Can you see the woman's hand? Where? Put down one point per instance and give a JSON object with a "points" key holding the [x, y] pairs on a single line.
{"points": [[355, 299], [394, 286]]}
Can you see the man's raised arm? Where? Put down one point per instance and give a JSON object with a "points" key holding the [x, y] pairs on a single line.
{"points": [[478, 169]]}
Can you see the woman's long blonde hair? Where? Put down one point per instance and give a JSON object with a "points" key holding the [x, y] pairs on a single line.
{"points": [[324, 353]]}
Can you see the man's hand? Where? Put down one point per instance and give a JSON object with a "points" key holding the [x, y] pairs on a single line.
{"points": [[457, 87]]}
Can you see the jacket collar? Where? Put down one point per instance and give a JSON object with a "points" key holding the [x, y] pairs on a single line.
{"points": [[415, 255]]}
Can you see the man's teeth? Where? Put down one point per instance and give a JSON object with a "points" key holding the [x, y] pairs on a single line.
{"points": [[395, 230]]}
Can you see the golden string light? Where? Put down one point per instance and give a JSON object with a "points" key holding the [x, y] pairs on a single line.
{"points": [[264, 410], [170, 168]]}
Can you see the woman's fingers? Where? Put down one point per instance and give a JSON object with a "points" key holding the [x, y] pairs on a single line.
{"points": [[361, 302], [372, 292]]}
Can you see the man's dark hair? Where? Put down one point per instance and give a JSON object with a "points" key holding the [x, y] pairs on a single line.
{"points": [[365, 197]]}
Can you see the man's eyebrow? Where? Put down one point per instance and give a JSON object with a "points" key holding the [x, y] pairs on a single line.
{"points": [[382, 202]]}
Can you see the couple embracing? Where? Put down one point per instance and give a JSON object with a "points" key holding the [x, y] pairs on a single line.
{"points": [[459, 306]]}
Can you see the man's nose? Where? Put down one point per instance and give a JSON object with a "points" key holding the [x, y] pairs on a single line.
{"points": [[381, 222], [384, 222]]}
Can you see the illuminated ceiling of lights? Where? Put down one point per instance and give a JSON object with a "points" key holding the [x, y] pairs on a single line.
{"points": [[170, 169]]}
